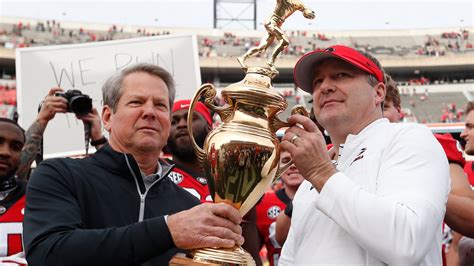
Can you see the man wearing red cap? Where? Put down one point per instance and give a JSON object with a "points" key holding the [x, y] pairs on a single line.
{"points": [[187, 172], [377, 201]]}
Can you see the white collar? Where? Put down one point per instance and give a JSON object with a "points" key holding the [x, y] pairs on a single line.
{"points": [[159, 172], [366, 131]]}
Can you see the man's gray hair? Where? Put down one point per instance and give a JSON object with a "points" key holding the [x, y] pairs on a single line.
{"points": [[112, 88], [371, 79]]}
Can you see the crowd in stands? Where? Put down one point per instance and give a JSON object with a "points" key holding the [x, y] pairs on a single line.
{"points": [[451, 114], [302, 42], [7, 94], [424, 107], [432, 47], [52, 32], [435, 47], [419, 81], [463, 34]]}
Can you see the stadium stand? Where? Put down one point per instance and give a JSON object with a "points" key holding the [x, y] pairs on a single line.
{"points": [[417, 59]]}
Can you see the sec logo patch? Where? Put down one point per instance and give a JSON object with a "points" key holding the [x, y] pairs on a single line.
{"points": [[176, 177], [273, 212]]}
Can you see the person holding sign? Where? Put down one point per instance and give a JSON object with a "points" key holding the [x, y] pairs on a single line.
{"points": [[119, 207]]}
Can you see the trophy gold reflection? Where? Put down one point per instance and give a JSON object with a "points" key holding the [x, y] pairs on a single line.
{"points": [[241, 157]]}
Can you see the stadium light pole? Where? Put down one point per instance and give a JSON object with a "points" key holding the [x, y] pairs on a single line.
{"points": [[224, 11]]}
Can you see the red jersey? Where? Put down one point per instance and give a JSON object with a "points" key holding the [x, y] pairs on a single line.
{"points": [[193, 183], [469, 170], [11, 222], [452, 149], [268, 209]]}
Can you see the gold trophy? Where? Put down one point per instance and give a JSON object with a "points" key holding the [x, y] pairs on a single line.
{"points": [[241, 157]]}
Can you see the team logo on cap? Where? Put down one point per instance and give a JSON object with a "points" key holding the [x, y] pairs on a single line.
{"points": [[3, 209], [330, 49], [273, 212], [176, 177]]}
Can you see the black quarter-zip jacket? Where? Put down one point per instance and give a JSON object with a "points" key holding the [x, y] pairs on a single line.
{"points": [[96, 211]]}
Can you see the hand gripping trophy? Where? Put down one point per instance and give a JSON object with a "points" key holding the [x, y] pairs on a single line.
{"points": [[241, 157], [283, 9]]}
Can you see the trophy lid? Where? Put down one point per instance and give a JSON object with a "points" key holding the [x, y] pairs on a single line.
{"points": [[256, 88]]}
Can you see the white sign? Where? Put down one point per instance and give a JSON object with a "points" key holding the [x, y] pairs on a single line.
{"points": [[86, 67]]}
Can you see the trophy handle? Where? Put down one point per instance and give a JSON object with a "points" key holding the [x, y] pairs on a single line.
{"points": [[281, 170], [209, 92], [277, 123]]}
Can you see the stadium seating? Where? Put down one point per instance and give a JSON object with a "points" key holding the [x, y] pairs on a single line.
{"points": [[398, 45]]}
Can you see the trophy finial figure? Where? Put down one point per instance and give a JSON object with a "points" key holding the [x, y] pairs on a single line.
{"points": [[283, 9]]}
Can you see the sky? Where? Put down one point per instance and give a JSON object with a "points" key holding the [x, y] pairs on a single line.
{"points": [[330, 15]]}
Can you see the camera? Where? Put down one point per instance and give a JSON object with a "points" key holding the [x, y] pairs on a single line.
{"points": [[78, 103]]}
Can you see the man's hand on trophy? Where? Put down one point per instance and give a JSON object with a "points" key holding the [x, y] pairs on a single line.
{"points": [[308, 13], [308, 149], [206, 225]]}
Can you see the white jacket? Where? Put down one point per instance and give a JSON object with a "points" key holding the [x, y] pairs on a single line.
{"points": [[385, 206]]}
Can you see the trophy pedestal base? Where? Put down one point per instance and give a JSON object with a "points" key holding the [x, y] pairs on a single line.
{"points": [[214, 256]]}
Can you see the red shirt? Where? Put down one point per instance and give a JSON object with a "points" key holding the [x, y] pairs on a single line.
{"points": [[268, 209], [469, 170], [191, 182], [11, 228], [452, 148], [454, 154]]}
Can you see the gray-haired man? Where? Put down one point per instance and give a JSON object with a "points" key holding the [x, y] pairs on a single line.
{"points": [[112, 208]]}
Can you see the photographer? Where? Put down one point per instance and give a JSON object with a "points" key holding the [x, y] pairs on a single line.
{"points": [[52, 105]]}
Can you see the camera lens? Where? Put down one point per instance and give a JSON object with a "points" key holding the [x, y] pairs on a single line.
{"points": [[80, 105]]}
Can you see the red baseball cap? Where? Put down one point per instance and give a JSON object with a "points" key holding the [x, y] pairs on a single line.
{"points": [[302, 72], [199, 107]]}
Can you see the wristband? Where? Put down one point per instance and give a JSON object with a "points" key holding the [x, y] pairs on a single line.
{"points": [[100, 141]]}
